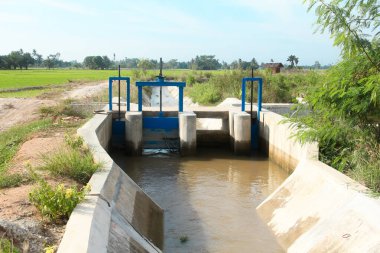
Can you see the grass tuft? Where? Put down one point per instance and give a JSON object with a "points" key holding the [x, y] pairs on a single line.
{"points": [[11, 139], [7, 246], [75, 161], [13, 180]]}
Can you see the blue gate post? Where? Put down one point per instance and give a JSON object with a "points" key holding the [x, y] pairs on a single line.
{"points": [[255, 125], [128, 95], [243, 96], [140, 97], [259, 100], [110, 93], [180, 98]]}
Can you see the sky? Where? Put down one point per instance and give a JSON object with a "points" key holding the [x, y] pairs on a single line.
{"points": [[172, 29]]}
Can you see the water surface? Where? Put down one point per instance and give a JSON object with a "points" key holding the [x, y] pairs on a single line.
{"points": [[210, 199]]}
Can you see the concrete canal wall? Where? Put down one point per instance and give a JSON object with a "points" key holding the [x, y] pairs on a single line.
{"points": [[117, 216], [277, 142], [317, 209]]}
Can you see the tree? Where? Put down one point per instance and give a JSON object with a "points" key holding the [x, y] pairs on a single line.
{"points": [[15, 58], [106, 62], [293, 61], [172, 64], [98, 62], [240, 64], [26, 60], [37, 58], [145, 64], [205, 62], [353, 24], [345, 106], [88, 62], [317, 65], [52, 60]]}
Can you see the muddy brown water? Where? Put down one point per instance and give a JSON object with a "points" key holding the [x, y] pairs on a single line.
{"points": [[209, 199]]}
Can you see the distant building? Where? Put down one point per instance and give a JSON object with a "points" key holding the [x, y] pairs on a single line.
{"points": [[274, 66]]}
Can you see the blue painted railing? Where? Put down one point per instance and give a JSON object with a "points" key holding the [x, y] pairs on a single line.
{"points": [[161, 82], [128, 88]]}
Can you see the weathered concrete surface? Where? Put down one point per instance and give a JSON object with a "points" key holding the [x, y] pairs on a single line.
{"points": [[188, 133], [318, 209], [277, 142], [117, 216], [242, 133], [133, 133]]}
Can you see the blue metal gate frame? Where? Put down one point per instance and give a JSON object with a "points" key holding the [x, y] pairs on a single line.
{"points": [[256, 124], [128, 88], [161, 82]]}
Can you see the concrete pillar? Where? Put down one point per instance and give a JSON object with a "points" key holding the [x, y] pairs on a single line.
{"points": [[133, 133], [231, 114], [188, 133], [242, 133]]}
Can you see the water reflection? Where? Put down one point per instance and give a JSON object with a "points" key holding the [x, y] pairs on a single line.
{"points": [[210, 199]]}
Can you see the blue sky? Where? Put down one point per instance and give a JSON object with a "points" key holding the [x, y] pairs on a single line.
{"points": [[176, 29]]}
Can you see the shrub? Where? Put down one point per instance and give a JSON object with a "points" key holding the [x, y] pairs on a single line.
{"points": [[56, 203], [63, 109], [205, 93], [71, 163], [75, 161]]}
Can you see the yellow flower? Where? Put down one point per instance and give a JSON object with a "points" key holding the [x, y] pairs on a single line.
{"points": [[50, 249], [69, 193]]}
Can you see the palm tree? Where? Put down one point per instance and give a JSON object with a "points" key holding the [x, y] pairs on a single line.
{"points": [[293, 60]]}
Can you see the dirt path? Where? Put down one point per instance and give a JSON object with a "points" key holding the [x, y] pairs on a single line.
{"points": [[14, 111], [85, 91]]}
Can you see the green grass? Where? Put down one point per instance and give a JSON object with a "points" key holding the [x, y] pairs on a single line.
{"points": [[73, 161], [7, 246], [14, 79], [10, 141], [14, 82]]}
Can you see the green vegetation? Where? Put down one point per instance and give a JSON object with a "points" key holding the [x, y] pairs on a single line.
{"points": [[277, 88], [183, 238], [10, 141], [56, 203], [63, 109], [12, 180], [13, 79], [345, 106], [74, 161], [6, 246]]}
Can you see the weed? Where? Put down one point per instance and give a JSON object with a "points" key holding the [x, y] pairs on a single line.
{"points": [[71, 163], [6, 246], [50, 249], [13, 180], [63, 109], [75, 161], [75, 142], [11, 139], [183, 239], [56, 203]]}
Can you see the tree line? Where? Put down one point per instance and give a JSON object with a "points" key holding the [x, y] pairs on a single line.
{"points": [[23, 60]]}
